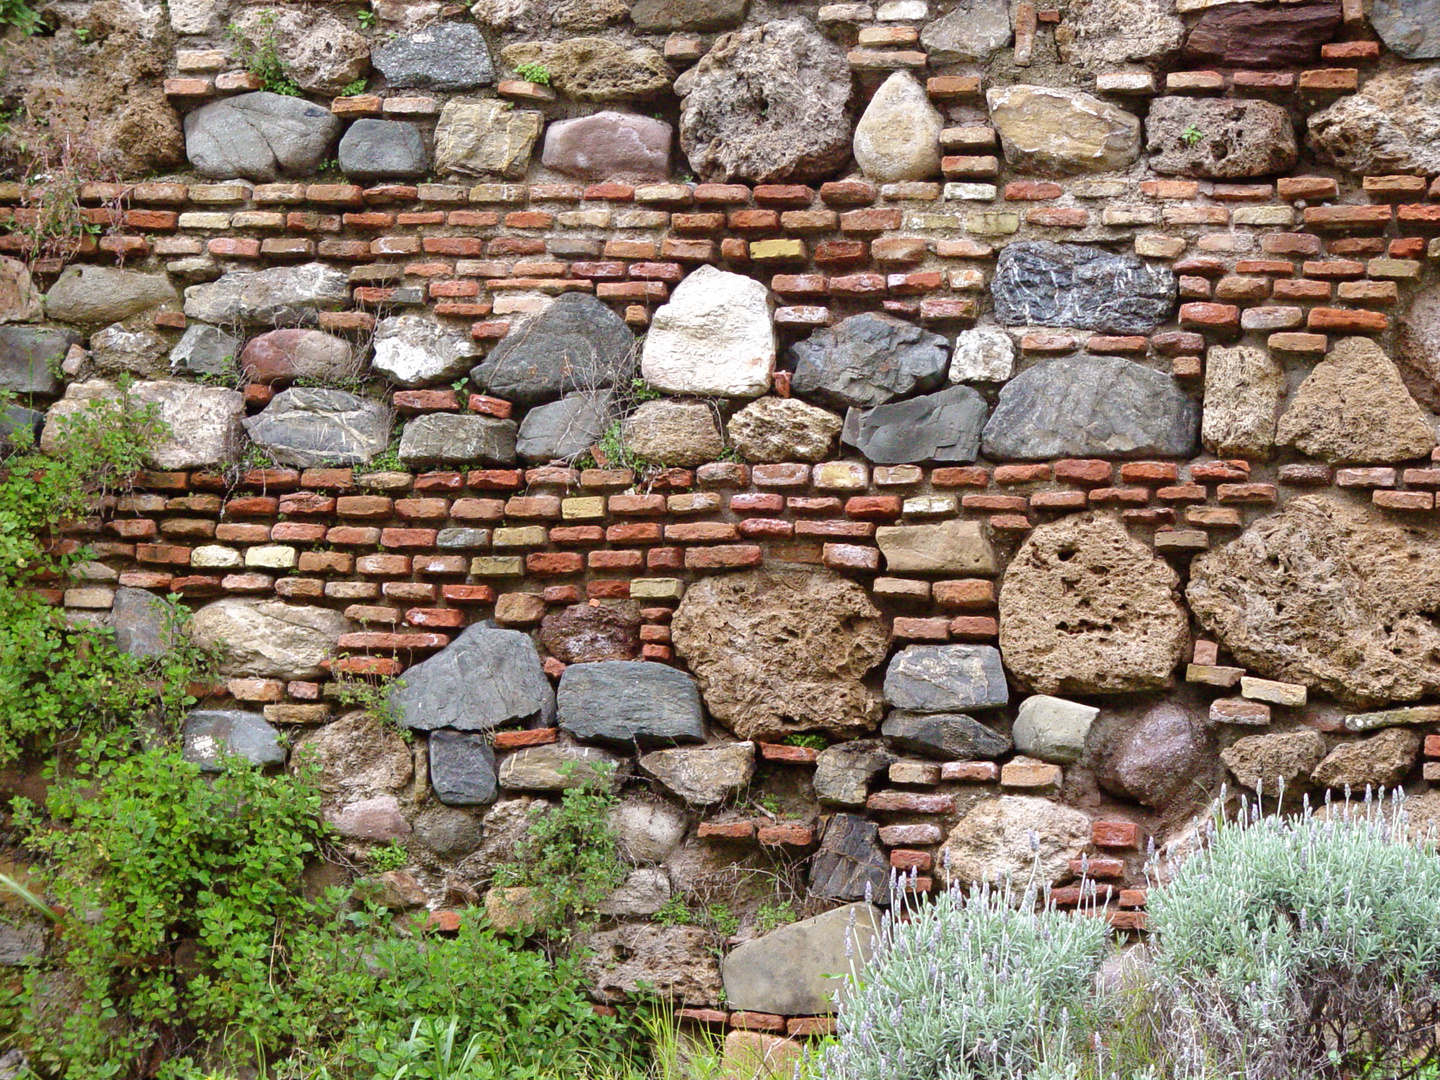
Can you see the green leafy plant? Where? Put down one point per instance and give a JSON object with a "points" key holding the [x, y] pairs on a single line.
{"points": [[773, 914], [365, 17], [21, 15], [1191, 135], [389, 461], [535, 73], [640, 390], [260, 56], [355, 88], [392, 856], [808, 740]]}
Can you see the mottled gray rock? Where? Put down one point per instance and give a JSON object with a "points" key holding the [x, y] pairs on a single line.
{"points": [[206, 350], [1382, 761], [1243, 387], [307, 426], [944, 547], [269, 638], [565, 428], [1266, 762], [582, 633], [30, 358], [946, 678], [449, 833], [576, 343], [850, 864], [210, 735], [1409, 28], [716, 337], [1013, 836], [655, 16], [629, 703], [144, 623], [866, 360], [1158, 755], [678, 433], [944, 426], [318, 51], [485, 678], [19, 425], [1391, 126], [982, 354], [280, 357], [259, 136], [558, 768], [609, 145], [457, 439], [101, 295], [677, 962], [203, 422], [1417, 348], [1041, 283], [378, 150], [1238, 138], [118, 349], [647, 830], [773, 429], [705, 775], [489, 137], [947, 736], [280, 296], [1091, 406], [1052, 729], [791, 971], [643, 892], [462, 767], [22, 943], [1049, 130], [971, 32], [1100, 34], [416, 351], [898, 137], [445, 56], [843, 772]]}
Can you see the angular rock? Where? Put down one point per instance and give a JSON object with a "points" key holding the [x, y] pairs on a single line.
{"points": [[576, 343], [281, 296], [677, 962], [609, 146], [767, 104], [558, 768], [1040, 283], [20, 300], [843, 772], [512, 909], [144, 623], [898, 136], [282, 356], [269, 638], [629, 703], [596, 68], [445, 56], [307, 426], [30, 357], [532, 16], [565, 428], [203, 421], [971, 32], [211, 735], [1238, 138], [778, 651], [676, 433], [1266, 762], [643, 892], [20, 426], [462, 767], [319, 52], [944, 547], [982, 354], [1329, 595], [486, 138], [1243, 387], [705, 775], [377, 819], [1005, 837], [866, 360], [1045, 129], [1158, 755], [381, 150], [100, 295], [792, 970], [451, 439], [416, 351], [1417, 348], [1379, 761], [1099, 34], [1052, 729], [1091, 406], [582, 634], [945, 678], [850, 864], [1353, 407], [486, 678], [647, 830], [714, 337], [259, 136], [783, 429], [1407, 27], [1256, 36], [656, 16], [206, 350], [116, 349], [1391, 126], [1087, 609], [947, 736]]}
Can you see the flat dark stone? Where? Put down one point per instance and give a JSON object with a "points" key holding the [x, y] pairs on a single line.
{"points": [[948, 736], [577, 343], [1040, 283], [446, 56], [462, 768], [625, 703], [484, 679], [850, 862], [944, 426], [867, 360]]}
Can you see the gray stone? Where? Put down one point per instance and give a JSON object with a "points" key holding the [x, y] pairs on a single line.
{"points": [[676, 962], [210, 735], [416, 351], [1414, 714], [485, 678], [379, 150], [1391, 126], [643, 892], [117, 349], [773, 429], [448, 832], [1417, 348], [1382, 760], [30, 358], [566, 428], [462, 538], [1243, 387], [259, 136], [203, 422], [20, 943], [206, 350], [1014, 837], [576, 343], [101, 295], [715, 338], [1159, 755], [144, 623], [307, 426], [20, 426], [445, 56], [1052, 729], [982, 354], [1266, 762], [946, 678], [850, 864], [1238, 137], [280, 296], [319, 53], [971, 32], [866, 360], [1049, 130], [558, 768], [791, 971], [945, 547], [1091, 406], [457, 439], [486, 138], [658, 16], [676, 433], [647, 830], [843, 772], [947, 736], [584, 634], [704, 775], [1409, 28], [269, 638], [1041, 283], [378, 819], [355, 757], [629, 703], [609, 145], [462, 767], [1101, 34], [898, 137]]}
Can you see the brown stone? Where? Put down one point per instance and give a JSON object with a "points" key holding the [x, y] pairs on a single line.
{"points": [[282, 356], [1381, 761], [1417, 348], [1258, 36], [582, 634], [1160, 755], [1267, 761]]}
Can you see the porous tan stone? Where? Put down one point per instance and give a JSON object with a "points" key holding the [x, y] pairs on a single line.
{"points": [[776, 429], [1266, 762], [1391, 126], [595, 68], [1243, 387], [683, 433], [1045, 129], [1380, 761], [489, 137]]}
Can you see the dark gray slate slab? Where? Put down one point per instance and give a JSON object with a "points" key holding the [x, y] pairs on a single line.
{"points": [[383, 150], [15, 419], [206, 350], [791, 971], [308, 426], [30, 358], [456, 439], [1091, 406], [577, 343], [946, 678], [446, 56], [866, 360], [623, 703], [259, 136], [483, 679], [462, 768], [141, 621], [565, 428], [1410, 28], [948, 736], [210, 733], [843, 772], [944, 426], [1040, 283], [850, 863]]}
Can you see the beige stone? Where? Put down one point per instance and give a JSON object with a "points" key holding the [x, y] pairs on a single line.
{"points": [[356, 756], [1100, 34], [682, 433], [1381, 760], [776, 429], [1243, 387], [486, 138], [202, 422], [898, 137], [944, 547], [1265, 762], [596, 69], [269, 638], [1007, 836], [1048, 130]]}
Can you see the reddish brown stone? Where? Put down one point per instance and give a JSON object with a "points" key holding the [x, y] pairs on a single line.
{"points": [[1251, 36]]}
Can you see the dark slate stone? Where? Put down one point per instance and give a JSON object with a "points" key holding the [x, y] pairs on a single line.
{"points": [[142, 623], [1040, 283], [850, 862], [1254, 36], [462, 768], [946, 678], [445, 56], [206, 350], [651, 16], [1410, 28], [1091, 406], [943, 426], [948, 736], [15, 419], [308, 426], [565, 428], [374, 150], [623, 703], [260, 136], [577, 343], [866, 360], [30, 358], [483, 679], [209, 733]]}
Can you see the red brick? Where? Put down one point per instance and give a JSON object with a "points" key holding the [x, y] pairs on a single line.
{"points": [[468, 594], [910, 802], [516, 740], [1116, 834], [726, 830], [722, 557], [1083, 471], [1347, 321], [789, 834]]}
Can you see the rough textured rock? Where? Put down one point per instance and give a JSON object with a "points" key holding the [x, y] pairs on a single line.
{"points": [[557, 768], [647, 830], [843, 772], [947, 736], [678, 962], [15, 419], [783, 429], [565, 428], [576, 343], [1330, 595], [1407, 27], [1417, 348], [629, 703], [268, 638], [792, 970], [485, 678], [898, 136], [973, 31], [203, 421], [982, 354], [850, 864], [30, 356], [1044, 129], [100, 295], [677, 433], [378, 819], [451, 439], [144, 623], [1159, 755], [280, 296], [462, 767], [531, 16], [767, 104], [445, 56], [1354, 407], [1098, 34], [944, 426], [20, 300], [1381, 761], [211, 735], [117, 349], [945, 678], [319, 52], [1052, 729], [1243, 387], [1003, 837], [714, 337], [380, 150], [1038, 282], [1267, 761], [486, 138], [449, 833], [20, 943], [1085, 608], [204, 350], [1423, 815], [596, 68], [416, 351], [653, 16], [643, 892], [282, 356], [259, 136], [1257, 36], [356, 756], [1391, 126], [866, 360], [943, 547], [778, 652], [582, 634], [609, 146], [307, 426], [705, 775], [1238, 137]]}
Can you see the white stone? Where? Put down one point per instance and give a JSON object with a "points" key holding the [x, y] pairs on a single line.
{"points": [[902, 11], [984, 354], [898, 138], [194, 16], [203, 422], [271, 557], [1053, 729], [414, 351], [215, 557], [971, 192], [716, 337]]}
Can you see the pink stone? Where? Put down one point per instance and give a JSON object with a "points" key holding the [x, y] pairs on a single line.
{"points": [[609, 146]]}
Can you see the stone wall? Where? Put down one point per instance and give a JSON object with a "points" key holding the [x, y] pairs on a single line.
{"points": [[1028, 408]]}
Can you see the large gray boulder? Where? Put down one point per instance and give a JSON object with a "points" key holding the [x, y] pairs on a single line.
{"points": [[101, 295], [576, 343], [566, 428], [308, 426], [628, 703], [280, 296], [462, 767], [946, 678], [485, 678], [211, 735], [269, 638], [30, 358], [850, 864], [143, 623], [1409, 28], [947, 736], [1041, 283], [866, 360], [260, 136], [380, 150], [458, 439], [446, 56], [206, 350], [791, 971], [944, 426]]}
